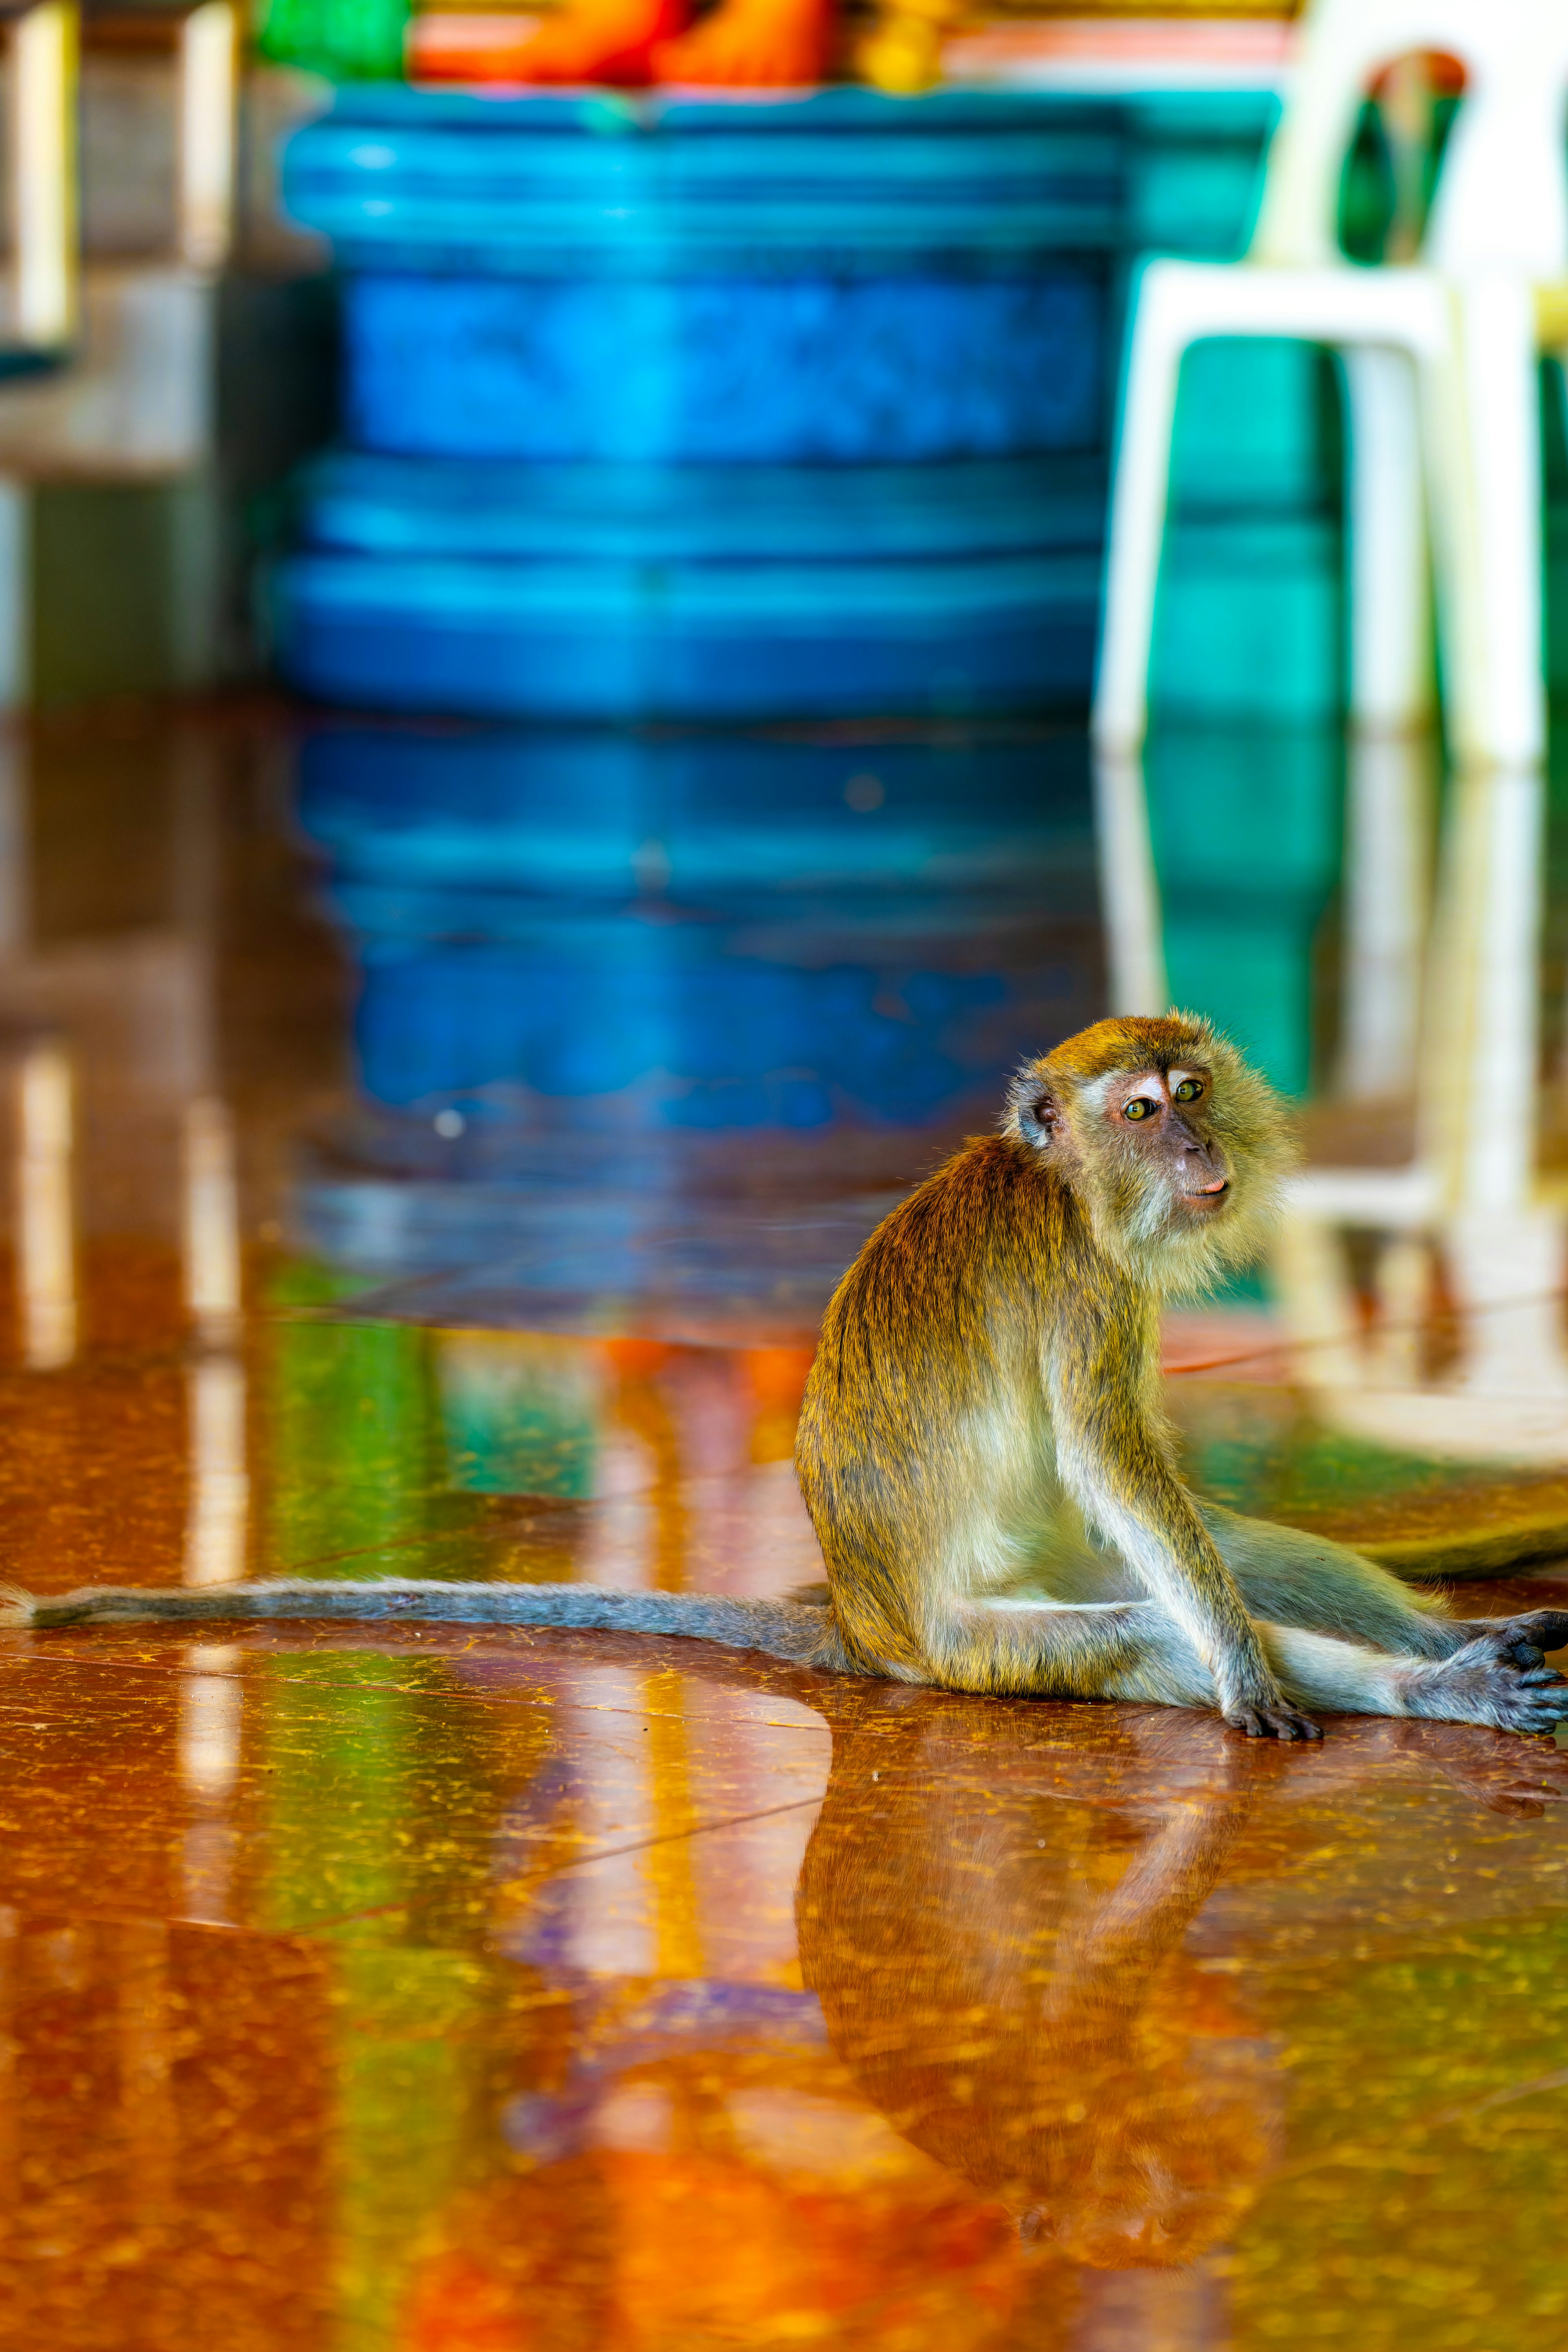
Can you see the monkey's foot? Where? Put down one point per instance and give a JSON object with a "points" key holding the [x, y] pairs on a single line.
{"points": [[1275, 1721], [1499, 1678], [749, 45], [600, 40], [1542, 1630]]}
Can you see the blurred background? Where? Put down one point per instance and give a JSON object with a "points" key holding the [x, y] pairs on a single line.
{"points": [[607, 615], [605, 619]]}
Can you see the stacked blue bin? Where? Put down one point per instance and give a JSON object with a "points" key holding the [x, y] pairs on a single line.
{"points": [[721, 411]]}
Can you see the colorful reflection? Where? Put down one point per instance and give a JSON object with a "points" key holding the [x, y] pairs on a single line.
{"points": [[581, 2001]]}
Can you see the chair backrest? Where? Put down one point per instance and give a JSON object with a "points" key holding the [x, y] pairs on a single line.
{"points": [[1502, 196]]}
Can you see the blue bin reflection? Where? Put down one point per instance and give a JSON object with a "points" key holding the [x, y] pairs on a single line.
{"points": [[704, 934]]}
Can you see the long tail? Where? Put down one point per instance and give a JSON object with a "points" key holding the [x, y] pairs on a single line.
{"points": [[783, 1629]]}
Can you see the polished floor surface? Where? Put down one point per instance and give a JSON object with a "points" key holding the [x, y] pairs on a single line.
{"points": [[398, 1180]]}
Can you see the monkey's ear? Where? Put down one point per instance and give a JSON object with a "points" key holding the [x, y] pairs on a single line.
{"points": [[1039, 1114]]}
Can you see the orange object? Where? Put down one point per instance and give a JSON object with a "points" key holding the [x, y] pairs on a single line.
{"points": [[602, 41], [749, 45]]}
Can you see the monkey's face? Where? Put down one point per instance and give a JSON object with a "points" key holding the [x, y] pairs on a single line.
{"points": [[1142, 1143], [1173, 1144], [1158, 1118]]}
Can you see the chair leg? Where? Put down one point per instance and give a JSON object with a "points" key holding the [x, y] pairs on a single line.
{"points": [[1139, 492], [1484, 481], [1391, 645]]}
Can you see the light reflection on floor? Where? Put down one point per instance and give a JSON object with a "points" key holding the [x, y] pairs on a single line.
{"points": [[449, 1992]]}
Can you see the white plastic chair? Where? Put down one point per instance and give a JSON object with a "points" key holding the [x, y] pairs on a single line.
{"points": [[1440, 363]]}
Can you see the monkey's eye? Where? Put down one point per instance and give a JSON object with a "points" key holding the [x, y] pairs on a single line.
{"points": [[1139, 1107], [1189, 1090]]}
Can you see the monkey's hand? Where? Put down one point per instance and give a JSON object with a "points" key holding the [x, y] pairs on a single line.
{"points": [[1270, 1719]]}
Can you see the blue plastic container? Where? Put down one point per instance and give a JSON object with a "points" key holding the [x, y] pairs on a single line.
{"points": [[739, 411], [691, 592], [707, 411]]}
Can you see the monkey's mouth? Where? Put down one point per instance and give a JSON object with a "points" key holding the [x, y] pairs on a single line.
{"points": [[1210, 1196]]}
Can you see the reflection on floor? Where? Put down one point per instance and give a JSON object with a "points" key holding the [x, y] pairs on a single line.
{"points": [[446, 1992]]}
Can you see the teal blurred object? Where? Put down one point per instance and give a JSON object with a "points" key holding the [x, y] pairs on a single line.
{"points": [[1246, 825]]}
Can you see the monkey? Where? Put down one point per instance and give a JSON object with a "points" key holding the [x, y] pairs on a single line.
{"points": [[983, 1455], [982, 1452]]}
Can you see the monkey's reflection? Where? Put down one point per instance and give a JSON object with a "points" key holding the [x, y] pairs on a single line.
{"points": [[997, 1944]]}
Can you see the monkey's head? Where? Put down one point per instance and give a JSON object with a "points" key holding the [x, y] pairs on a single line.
{"points": [[1174, 1147]]}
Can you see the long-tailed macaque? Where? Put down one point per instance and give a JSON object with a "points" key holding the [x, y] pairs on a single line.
{"points": [[982, 1457], [982, 1451]]}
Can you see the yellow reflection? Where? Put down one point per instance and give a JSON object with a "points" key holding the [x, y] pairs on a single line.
{"points": [[677, 1940], [209, 50], [211, 1219], [146, 2036], [216, 1526], [210, 1724], [43, 173], [10, 2149], [46, 1208]]}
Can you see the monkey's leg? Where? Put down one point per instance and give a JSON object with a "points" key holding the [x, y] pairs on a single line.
{"points": [[1288, 1578], [1045, 1649], [1498, 1678], [1116, 1649]]}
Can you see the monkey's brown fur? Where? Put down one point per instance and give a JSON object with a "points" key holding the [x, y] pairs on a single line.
{"points": [[982, 1454], [982, 1451]]}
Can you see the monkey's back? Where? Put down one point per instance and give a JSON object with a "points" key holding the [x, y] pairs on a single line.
{"points": [[934, 1329]]}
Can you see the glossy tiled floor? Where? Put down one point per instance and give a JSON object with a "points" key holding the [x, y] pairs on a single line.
{"points": [[438, 1992]]}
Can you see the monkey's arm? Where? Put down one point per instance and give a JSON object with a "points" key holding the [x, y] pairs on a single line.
{"points": [[1114, 1459]]}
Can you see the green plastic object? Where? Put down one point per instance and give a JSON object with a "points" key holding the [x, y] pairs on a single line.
{"points": [[344, 40]]}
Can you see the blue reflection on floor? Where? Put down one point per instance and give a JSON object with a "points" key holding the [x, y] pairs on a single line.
{"points": [[644, 971], [705, 933], [679, 1014]]}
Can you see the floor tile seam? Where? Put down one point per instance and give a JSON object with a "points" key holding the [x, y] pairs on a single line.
{"points": [[337, 1919], [101, 1918], [676, 1837], [1415, 2127]]}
